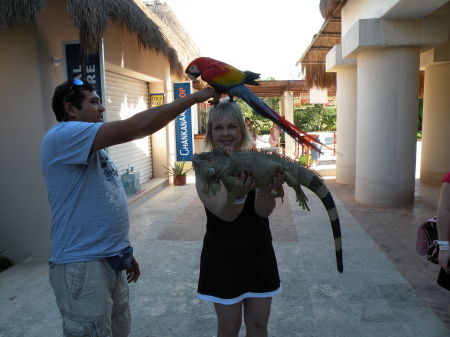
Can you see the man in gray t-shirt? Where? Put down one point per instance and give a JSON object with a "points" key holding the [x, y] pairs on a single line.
{"points": [[91, 259]]}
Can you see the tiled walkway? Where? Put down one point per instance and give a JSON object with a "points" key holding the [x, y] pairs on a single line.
{"points": [[394, 230], [386, 290]]}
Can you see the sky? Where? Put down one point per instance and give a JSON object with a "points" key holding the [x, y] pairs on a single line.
{"points": [[263, 36]]}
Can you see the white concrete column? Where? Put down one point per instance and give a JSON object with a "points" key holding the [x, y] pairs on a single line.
{"points": [[288, 110], [386, 125], [436, 121], [346, 125], [345, 114]]}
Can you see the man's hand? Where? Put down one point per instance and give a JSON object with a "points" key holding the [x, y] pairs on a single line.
{"points": [[204, 94], [134, 272]]}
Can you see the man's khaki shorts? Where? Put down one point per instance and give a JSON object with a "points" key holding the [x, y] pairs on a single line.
{"points": [[92, 299]]}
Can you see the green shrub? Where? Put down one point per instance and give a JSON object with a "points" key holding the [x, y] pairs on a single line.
{"points": [[262, 124], [316, 118], [302, 160]]}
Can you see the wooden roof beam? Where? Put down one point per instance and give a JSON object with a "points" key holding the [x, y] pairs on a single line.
{"points": [[336, 19], [330, 34], [306, 62], [320, 48]]}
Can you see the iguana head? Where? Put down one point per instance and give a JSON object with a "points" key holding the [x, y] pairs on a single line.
{"points": [[209, 168]]}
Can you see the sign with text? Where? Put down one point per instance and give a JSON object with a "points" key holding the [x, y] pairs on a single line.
{"points": [[156, 100], [86, 68], [183, 124]]}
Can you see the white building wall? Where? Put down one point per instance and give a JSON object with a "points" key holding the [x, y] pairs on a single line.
{"points": [[355, 10], [25, 217]]}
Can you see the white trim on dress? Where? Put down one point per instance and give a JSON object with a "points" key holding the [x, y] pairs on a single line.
{"points": [[228, 301]]}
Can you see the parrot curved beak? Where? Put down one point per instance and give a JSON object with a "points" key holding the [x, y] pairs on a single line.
{"points": [[193, 77]]}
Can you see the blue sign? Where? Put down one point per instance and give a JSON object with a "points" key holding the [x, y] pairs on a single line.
{"points": [[183, 124], [80, 66]]}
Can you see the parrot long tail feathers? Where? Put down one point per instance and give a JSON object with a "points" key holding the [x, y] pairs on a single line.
{"points": [[264, 110]]}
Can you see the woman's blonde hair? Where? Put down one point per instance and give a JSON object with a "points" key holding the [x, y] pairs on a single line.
{"points": [[233, 110]]}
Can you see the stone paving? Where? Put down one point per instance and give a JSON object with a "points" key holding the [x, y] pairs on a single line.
{"points": [[375, 296]]}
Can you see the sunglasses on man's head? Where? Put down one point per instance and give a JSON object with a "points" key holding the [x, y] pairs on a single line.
{"points": [[75, 82]]}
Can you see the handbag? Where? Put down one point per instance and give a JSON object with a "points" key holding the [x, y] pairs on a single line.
{"points": [[426, 237], [443, 279], [426, 245], [122, 260]]}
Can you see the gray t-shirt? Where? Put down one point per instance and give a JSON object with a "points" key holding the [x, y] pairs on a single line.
{"points": [[87, 200]]}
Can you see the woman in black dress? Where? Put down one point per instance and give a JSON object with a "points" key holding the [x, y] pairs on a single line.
{"points": [[238, 267]]}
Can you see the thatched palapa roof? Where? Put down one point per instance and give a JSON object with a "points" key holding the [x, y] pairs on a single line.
{"points": [[313, 59], [328, 7], [91, 18], [11, 11], [172, 28]]}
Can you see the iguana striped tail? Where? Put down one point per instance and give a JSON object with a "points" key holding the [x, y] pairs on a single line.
{"points": [[313, 182]]}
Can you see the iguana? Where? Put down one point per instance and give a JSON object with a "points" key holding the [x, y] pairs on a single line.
{"points": [[221, 165]]}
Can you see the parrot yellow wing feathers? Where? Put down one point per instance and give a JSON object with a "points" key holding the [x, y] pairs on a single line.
{"points": [[230, 77]]}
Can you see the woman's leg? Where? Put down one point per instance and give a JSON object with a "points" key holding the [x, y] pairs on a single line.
{"points": [[256, 316], [229, 318]]}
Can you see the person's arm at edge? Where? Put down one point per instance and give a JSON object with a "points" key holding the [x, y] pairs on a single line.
{"points": [[147, 121], [443, 224]]}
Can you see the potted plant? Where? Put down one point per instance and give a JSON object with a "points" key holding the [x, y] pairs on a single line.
{"points": [[178, 172]]}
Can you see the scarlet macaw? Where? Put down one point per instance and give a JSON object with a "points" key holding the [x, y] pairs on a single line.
{"points": [[230, 80]]}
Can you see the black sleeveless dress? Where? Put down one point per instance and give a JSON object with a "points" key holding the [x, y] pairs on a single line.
{"points": [[237, 259]]}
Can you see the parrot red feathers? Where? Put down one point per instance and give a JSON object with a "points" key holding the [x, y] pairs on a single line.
{"points": [[230, 80]]}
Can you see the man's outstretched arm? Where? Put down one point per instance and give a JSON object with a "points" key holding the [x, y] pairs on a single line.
{"points": [[148, 121]]}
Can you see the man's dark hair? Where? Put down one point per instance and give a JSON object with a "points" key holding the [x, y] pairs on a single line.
{"points": [[68, 92]]}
